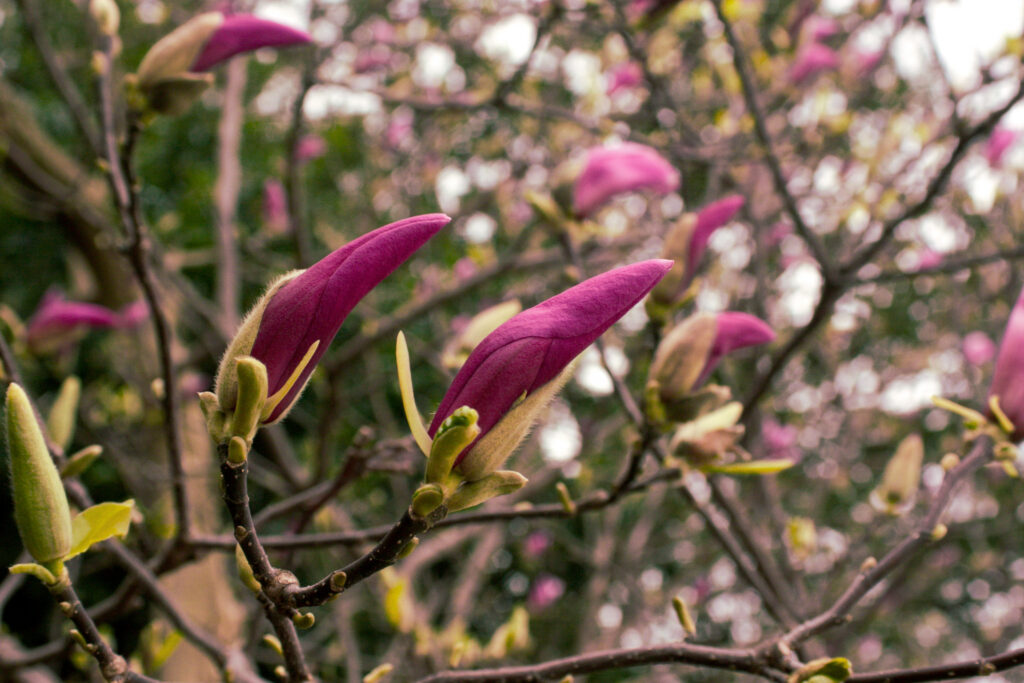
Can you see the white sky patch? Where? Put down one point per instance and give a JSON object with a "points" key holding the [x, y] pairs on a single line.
{"points": [[582, 72], [591, 375], [329, 100], [433, 64], [293, 13], [939, 234], [969, 34], [451, 184], [560, 437], [912, 54], [479, 228], [910, 393], [732, 245], [509, 40]]}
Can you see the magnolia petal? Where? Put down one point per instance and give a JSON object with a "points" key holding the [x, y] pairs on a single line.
{"points": [[243, 33]]}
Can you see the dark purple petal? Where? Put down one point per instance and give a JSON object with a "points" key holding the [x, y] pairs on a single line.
{"points": [[58, 321], [735, 331], [1008, 376], [710, 218], [613, 170], [244, 33], [533, 347], [312, 306]]}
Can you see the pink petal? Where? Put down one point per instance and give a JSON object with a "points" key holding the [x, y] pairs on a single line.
{"points": [[613, 170], [244, 33]]}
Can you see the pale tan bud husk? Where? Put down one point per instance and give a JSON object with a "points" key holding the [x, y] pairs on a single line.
{"points": [[40, 505], [895, 495], [682, 355], [677, 247], [710, 436], [174, 54], [226, 385], [488, 453], [60, 423]]}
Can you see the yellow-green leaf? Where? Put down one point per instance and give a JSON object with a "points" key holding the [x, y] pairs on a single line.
{"points": [[98, 523], [412, 414], [757, 467]]}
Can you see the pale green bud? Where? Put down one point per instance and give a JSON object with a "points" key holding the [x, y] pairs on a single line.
{"points": [[895, 495], [426, 499], [455, 433], [60, 423], [80, 461], [824, 670], [472, 493], [40, 505], [252, 394], [216, 419], [227, 379]]}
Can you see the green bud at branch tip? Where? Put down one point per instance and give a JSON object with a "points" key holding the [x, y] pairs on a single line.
{"points": [[338, 581], [41, 510], [379, 673], [274, 644], [36, 570], [495, 484], [245, 571], [60, 423], [425, 500], [455, 433], [939, 531], [303, 622], [281, 673], [564, 498], [684, 616], [238, 451]]}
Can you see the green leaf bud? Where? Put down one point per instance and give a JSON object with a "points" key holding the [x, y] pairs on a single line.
{"points": [[454, 434], [252, 394], [824, 670], [40, 505], [60, 423], [80, 461], [472, 493], [426, 499], [245, 571]]}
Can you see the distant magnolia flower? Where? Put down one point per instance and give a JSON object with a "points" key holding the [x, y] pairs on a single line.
{"points": [[817, 28], [171, 73], [1008, 375], [928, 258], [610, 171], [779, 439], [275, 207], [536, 543], [58, 323], [811, 59], [623, 76], [310, 147], [294, 322], [513, 374], [545, 591], [998, 142], [978, 348]]}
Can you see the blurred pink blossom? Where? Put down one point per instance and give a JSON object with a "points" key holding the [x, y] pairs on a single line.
{"points": [[376, 57], [866, 60], [381, 31], [1008, 375], [59, 323], [310, 147], [546, 590], [624, 76], [817, 28], [779, 439], [275, 207], [400, 128], [978, 348], [928, 258], [536, 543], [998, 142], [465, 268], [609, 171], [779, 232], [812, 58]]}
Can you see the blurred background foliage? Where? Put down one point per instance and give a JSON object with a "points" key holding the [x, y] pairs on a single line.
{"points": [[468, 108]]}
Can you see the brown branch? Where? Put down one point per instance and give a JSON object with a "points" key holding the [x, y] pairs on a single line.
{"points": [[225, 192], [985, 666]]}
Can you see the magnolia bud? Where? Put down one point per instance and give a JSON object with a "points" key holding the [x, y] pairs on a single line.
{"points": [[682, 356], [676, 247], [106, 15], [895, 495], [60, 423], [40, 505], [710, 436], [174, 54], [472, 493]]}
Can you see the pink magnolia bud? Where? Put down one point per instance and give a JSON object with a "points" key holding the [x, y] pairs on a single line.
{"points": [[517, 369], [1008, 376], [275, 207], [545, 591], [978, 348], [812, 58], [58, 323], [624, 168], [624, 76], [310, 147], [998, 142], [292, 325]]}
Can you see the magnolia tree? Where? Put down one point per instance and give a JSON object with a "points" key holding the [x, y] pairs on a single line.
{"points": [[698, 298]]}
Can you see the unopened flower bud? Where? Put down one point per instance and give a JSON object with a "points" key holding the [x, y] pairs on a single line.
{"points": [[709, 437], [681, 356], [455, 433], [252, 395], [60, 423], [106, 15], [40, 505], [895, 495]]}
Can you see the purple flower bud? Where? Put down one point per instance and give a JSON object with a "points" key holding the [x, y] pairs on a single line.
{"points": [[293, 324], [978, 348], [710, 218], [1008, 376], [240, 33], [57, 323], [624, 168], [1000, 141], [735, 331], [812, 58], [546, 590], [521, 360]]}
